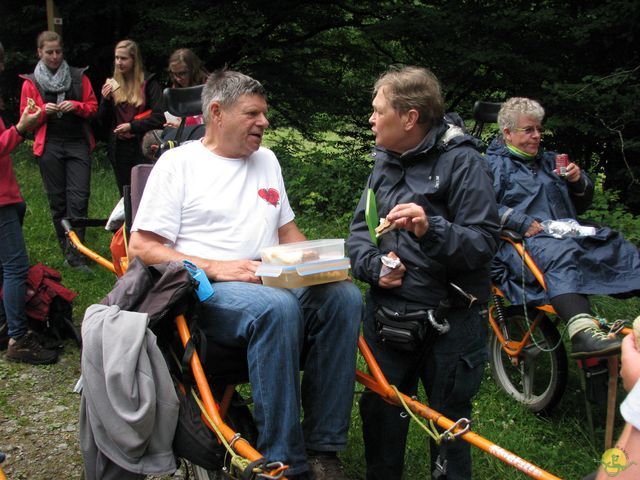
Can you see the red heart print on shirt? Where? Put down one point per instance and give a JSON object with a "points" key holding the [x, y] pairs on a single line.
{"points": [[270, 196]]}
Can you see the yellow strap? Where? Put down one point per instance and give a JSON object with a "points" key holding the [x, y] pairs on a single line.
{"points": [[431, 429], [236, 460]]}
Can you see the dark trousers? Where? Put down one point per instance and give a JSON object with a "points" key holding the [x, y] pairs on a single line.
{"points": [[451, 372], [125, 154], [65, 167]]}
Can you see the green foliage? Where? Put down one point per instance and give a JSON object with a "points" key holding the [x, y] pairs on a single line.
{"points": [[325, 178], [319, 60], [606, 209]]}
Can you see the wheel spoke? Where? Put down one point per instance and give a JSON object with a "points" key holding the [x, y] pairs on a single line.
{"points": [[528, 371]]}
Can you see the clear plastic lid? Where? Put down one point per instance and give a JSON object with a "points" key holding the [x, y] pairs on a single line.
{"points": [[303, 269]]}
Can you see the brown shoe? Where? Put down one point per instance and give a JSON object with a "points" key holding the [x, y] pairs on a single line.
{"points": [[326, 467], [27, 349]]}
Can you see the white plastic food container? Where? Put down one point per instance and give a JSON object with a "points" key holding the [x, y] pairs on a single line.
{"points": [[303, 264]]}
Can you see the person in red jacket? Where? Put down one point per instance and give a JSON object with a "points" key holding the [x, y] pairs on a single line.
{"points": [[22, 345], [64, 139]]}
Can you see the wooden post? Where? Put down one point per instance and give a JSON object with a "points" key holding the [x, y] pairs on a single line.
{"points": [[612, 362], [54, 20]]}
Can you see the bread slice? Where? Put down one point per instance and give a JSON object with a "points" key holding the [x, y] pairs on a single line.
{"points": [[636, 332], [385, 227], [114, 84], [31, 104]]}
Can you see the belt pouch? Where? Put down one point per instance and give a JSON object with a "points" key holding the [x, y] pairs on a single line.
{"points": [[401, 331]]}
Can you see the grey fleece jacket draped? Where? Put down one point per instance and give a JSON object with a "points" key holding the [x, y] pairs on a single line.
{"points": [[129, 407]]}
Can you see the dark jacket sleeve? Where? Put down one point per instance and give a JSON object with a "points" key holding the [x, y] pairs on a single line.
{"points": [[581, 193], [153, 96], [469, 241], [105, 117], [508, 217], [364, 254]]}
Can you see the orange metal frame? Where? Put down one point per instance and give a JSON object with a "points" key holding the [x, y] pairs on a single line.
{"points": [[375, 381], [513, 348], [539, 276], [379, 384]]}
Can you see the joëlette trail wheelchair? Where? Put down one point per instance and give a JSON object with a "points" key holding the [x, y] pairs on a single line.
{"points": [[215, 385], [527, 356], [529, 361]]}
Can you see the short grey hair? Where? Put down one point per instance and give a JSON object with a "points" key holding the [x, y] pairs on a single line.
{"points": [[226, 87], [413, 88], [515, 107]]}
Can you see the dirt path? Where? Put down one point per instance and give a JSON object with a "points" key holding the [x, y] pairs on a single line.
{"points": [[39, 418]]}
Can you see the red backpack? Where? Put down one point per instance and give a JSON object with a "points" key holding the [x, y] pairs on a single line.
{"points": [[48, 306]]}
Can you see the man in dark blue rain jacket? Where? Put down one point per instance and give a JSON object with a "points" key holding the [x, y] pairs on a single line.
{"points": [[433, 191]]}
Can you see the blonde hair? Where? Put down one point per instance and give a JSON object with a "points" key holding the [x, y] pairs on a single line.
{"points": [[130, 91], [48, 36]]}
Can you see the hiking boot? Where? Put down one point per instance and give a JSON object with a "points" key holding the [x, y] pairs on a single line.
{"points": [[326, 466], [593, 342], [78, 267], [27, 349]]}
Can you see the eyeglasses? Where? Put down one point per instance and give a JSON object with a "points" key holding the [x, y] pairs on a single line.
{"points": [[184, 73], [529, 130]]}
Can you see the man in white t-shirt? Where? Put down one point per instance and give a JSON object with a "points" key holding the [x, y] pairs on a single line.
{"points": [[217, 202]]}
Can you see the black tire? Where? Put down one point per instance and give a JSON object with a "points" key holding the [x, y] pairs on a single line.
{"points": [[539, 379]]}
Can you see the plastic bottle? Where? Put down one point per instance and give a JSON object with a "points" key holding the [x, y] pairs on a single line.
{"points": [[204, 290], [566, 228]]}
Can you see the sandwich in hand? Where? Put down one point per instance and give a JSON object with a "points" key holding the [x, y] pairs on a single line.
{"points": [[31, 105], [636, 332], [114, 85], [384, 227]]}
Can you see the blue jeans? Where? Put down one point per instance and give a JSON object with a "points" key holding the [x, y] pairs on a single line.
{"points": [[451, 372], [278, 326], [14, 267]]}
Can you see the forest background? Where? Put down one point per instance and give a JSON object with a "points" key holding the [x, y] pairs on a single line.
{"points": [[319, 59]]}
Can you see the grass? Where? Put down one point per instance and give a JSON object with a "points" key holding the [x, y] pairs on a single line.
{"points": [[560, 444]]}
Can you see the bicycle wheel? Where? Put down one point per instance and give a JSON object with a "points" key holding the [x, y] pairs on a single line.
{"points": [[539, 378]]}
